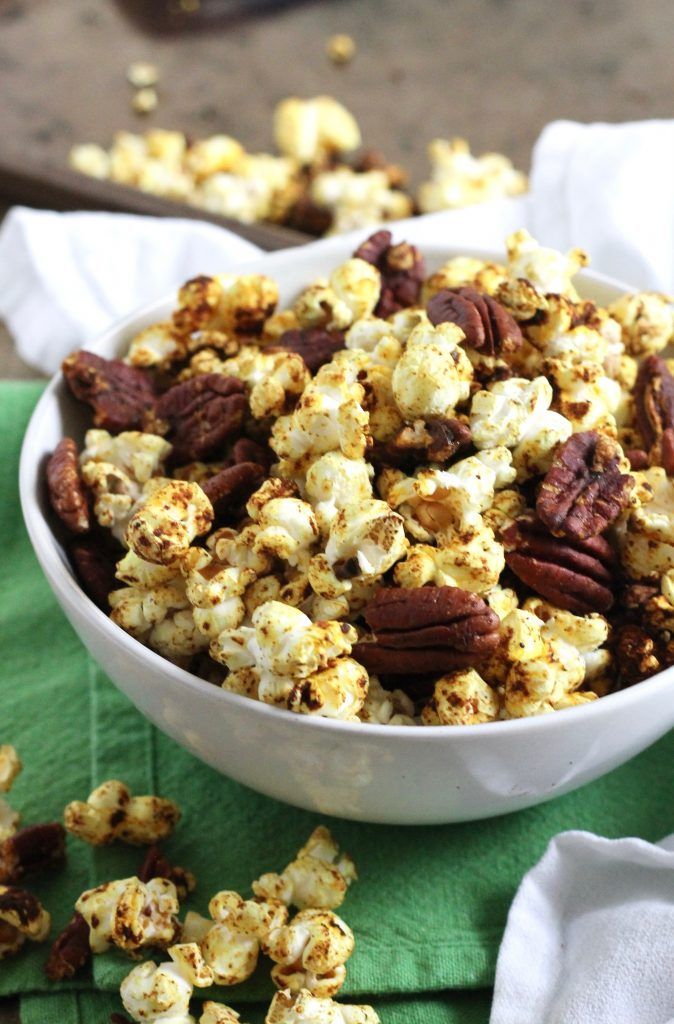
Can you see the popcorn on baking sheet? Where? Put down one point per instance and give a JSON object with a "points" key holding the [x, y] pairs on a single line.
{"points": [[318, 877], [460, 179], [111, 812]]}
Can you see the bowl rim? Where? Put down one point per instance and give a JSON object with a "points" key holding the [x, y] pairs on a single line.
{"points": [[66, 587]]}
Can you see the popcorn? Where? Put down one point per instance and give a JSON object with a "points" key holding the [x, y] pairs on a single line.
{"points": [[310, 952], [166, 524], [157, 993], [274, 378], [352, 292], [191, 964], [215, 592], [516, 413], [218, 1013], [22, 917], [358, 199], [647, 539], [231, 942], [460, 179], [160, 616], [333, 482], [646, 320], [461, 698], [130, 914], [366, 540], [310, 131], [318, 877], [546, 269], [462, 271], [467, 556], [548, 650], [386, 707], [90, 159], [110, 812], [156, 345], [305, 1008], [10, 766], [240, 549], [232, 303], [120, 471], [9, 820], [287, 526], [584, 395], [433, 375], [329, 417]]}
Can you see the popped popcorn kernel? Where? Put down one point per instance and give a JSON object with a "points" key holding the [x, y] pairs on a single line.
{"points": [[10, 766], [318, 877], [461, 698], [433, 374], [130, 914], [310, 952], [304, 1007], [460, 179], [166, 524], [646, 321], [110, 812], [311, 130], [157, 993]]}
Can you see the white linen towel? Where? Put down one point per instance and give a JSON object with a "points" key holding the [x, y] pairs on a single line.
{"points": [[590, 936]]}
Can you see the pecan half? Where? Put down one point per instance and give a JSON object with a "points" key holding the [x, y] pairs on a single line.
{"points": [[584, 491], [636, 655], [32, 849], [426, 629], [121, 396], [231, 488], [155, 865], [485, 322], [67, 493], [402, 271], [315, 345], [247, 450], [578, 575], [70, 951], [202, 414], [654, 402], [435, 440], [638, 458], [94, 560]]}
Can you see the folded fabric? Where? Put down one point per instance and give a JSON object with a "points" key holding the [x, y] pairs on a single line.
{"points": [[64, 277], [608, 188], [430, 904], [590, 935]]}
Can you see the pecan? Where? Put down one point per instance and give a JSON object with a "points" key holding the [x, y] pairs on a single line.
{"points": [[32, 849], [307, 216], [584, 491], [94, 560], [426, 629], [636, 595], [402, 271], [654, 402], [373, 160], [435, 440], [315, 345], [70, 951], [155, 865], [202, 413], [574, 574], [247, 450], [638, 458], [121, 396], [229, 489], [484, 321], [67, 493]]}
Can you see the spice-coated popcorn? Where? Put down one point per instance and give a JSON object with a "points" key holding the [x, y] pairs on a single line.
{"points": [[231, 940], [460, 179], [157, 993], [434, 373], [130, 914], [386, 707], [10, 766], [358, 199], [310, 952], [312, 130], [430, 463], [110, 812], [461, 698], [646, 320], [22, 917], [168, 521], [218, 1013], [318, 877], [304, 1007], [516, 413], [9, 820], [546, 269]]}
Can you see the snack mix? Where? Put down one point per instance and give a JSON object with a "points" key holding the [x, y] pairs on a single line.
{"points": [[310, 185], [407, 499]]}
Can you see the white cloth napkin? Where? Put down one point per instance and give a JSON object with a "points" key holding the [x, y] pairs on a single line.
{"points": [[590, 936], [64, 277]]}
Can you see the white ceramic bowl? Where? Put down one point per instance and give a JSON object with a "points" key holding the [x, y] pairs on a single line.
{"points": [[366, 772]]}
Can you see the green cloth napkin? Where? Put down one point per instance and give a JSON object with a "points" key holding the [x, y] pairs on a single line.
{"points": [[430, 904]]}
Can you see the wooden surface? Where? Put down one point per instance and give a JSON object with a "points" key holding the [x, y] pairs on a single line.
{"points": [[491, 70]]}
